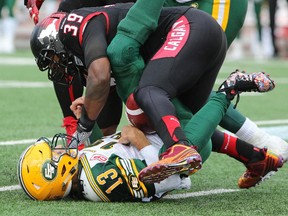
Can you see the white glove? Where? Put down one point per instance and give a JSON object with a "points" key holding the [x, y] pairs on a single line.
{"points": [[80, 137]]}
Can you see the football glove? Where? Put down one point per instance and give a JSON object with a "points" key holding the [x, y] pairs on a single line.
{"points": [[81, 139], [84, 130], [34, 7]]}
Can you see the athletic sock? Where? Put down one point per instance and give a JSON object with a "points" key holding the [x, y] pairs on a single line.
{"points": [[240, 150], [247, 131]]}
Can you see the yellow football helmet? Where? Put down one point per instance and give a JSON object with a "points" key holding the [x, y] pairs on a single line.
{"points": [[45, 170]]}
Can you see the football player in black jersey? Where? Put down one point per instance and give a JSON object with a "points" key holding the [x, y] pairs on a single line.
{"points": [[87, 32], [108, 119]]}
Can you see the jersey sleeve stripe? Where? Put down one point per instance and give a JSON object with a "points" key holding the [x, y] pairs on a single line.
{"points": [[91, 179], [220, 12], [141, 183], [128, 168]]}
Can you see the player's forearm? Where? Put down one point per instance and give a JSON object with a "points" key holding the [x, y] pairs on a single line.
{"points": [[97, 87]]}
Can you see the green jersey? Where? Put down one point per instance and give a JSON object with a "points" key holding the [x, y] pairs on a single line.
{"points": [[109, 172]]}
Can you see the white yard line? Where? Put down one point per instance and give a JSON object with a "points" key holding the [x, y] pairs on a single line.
{"points": [[200, 193], [169, 196], [10, 188], [272, 122], [18, 142], [21, 84], [17, 61]]}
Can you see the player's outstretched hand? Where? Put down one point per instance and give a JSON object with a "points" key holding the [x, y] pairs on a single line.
{"points": [[132, 135], [34, 7]]}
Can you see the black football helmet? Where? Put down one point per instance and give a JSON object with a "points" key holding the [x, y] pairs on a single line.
{"points": [[50, 53]]}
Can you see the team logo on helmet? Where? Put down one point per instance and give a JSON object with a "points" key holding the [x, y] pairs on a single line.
{"points": [[47, 32], [48, 170]]}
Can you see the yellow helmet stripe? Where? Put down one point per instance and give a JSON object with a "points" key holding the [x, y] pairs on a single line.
{"points": [[91, 179], [220, 12]]}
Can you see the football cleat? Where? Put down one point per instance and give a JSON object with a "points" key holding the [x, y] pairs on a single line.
{"points": [[178, 159], [239, 82], [259, 171]]}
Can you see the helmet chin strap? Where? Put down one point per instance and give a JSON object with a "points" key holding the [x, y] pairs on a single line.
{"points": [[69, 177], [69, 188]]}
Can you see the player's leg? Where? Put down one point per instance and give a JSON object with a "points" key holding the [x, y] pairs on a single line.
{"points": [[272, 14], [257, 10], [66, 94], [234, 121], [230, 14], [165, 78], [202, 125], [259, 162], [184, 114], [247, 130]]}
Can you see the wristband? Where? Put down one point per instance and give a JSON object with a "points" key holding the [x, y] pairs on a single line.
{"points": [[85, 124]]}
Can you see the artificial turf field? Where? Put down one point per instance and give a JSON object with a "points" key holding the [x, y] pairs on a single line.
{"points": [[29, 110]]}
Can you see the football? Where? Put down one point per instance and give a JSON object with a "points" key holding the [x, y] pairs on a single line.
{"points": [[137, 117]]}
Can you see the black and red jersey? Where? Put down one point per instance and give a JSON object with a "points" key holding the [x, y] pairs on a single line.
{"points": [[87, 32]]}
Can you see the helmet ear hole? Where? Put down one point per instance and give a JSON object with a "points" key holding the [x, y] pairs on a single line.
{"points": [[63, 170]]}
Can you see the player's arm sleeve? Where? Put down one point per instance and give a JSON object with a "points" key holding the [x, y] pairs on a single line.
{"points": [[141, 20], [94, 42]]}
